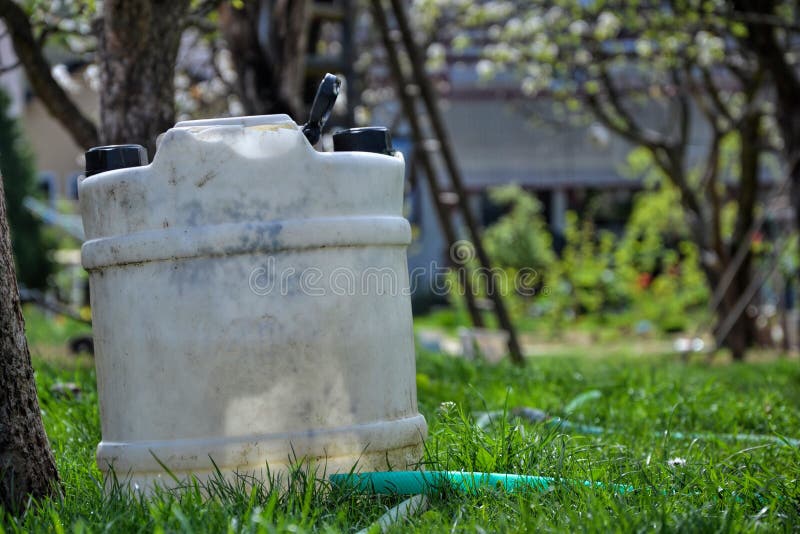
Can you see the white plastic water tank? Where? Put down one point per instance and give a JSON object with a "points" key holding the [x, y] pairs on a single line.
{"points": [[250, 305]]}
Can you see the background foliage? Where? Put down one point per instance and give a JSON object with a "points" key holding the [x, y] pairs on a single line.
{"points": [[647, 278], [17, 167]]}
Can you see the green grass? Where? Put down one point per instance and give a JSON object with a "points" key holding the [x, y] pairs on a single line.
{"points": [[721, 486]]}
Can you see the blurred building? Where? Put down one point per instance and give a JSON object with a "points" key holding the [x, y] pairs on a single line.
{"points": [[58, 159]]}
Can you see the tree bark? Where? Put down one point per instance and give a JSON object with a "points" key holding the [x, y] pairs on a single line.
{"points": [[138, 47], [268, 41], [27, 467]]}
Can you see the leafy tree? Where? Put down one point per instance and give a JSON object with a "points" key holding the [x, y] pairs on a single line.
{"points": [[18, 172], [654, 73]]}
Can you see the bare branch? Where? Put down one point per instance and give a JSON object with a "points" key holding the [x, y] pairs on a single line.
{"points": [[684, 114], [703, 101], [713, 93], [667, 158], [642, 135], [44, 33], [762, 19], [747, 193], [762, 39], [708, 184], [9, 68]]}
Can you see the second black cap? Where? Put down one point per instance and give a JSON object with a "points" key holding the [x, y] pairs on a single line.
{"points": [[373, 139], [105, 158]]}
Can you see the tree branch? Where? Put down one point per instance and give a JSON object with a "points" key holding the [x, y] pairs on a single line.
{"points": [[666, 158], [642, 135], [684, 114], [748, 180], [762, 19], [762, 40], [9, 68], [37, 69], [708, 184], [705, 104], [711, 90]]}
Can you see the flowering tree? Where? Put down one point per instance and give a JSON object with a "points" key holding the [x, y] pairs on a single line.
{"points": [[151, 60], [653, 73], [133, 43]]}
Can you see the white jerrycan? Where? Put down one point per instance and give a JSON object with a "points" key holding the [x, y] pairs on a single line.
{"points": [[250, 304]]}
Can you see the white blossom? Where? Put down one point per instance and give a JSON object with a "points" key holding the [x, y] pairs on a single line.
{"points": [[225, 65], [709, 48], [485, 69], [578, 27], [553, 15], [235, 108], [514, 27], [181, 81], [437, 54], [530, 86], [91, 75], [582, 57], [644, 47], [461, 41], [533, 24], [608, 25], [498, 10], [63, 78]]}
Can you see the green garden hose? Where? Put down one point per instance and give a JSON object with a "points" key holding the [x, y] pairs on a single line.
{"points": [[426, 482], [534, 415]]}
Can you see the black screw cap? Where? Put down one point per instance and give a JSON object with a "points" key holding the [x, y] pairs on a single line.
{"points": [[373, 139], [105, 158]]}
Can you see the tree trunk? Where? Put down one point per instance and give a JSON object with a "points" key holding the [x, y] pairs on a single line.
{"points": [[268, 41], [138, 46], [742, 335], [27, 467]]}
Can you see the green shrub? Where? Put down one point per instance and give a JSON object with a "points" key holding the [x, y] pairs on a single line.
{"points": [[520, 238], [651, 272]]}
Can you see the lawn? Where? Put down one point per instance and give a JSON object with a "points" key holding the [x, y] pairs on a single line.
{"points": [[659, 416]]}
